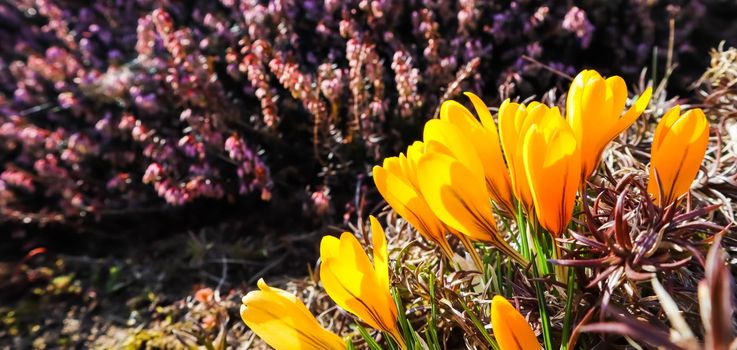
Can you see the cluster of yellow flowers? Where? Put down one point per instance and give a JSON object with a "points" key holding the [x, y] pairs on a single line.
{"points": [[361, 288], [533, 162], [537, 158]]}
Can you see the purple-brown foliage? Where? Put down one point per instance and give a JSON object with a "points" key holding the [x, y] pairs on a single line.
{"points": [[111, 105]]}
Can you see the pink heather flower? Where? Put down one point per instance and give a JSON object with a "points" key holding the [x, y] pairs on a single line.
{"points": [[576, 22], [152, 174], [321, 201], [18, 178]]}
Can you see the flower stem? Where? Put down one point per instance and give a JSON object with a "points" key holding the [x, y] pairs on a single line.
{"points": [[522, 232], [522, 225], [561, 272], [541, 249], [405, 339], [568, 318]]}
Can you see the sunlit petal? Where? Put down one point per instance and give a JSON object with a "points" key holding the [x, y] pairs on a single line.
{"points": [[284, 322], [511, 330], [453, 194]]}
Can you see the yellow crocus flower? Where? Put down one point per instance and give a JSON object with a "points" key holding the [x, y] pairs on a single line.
{"points": [[594, 111], [552, 163], [399, 187], [482, 135], [396, 181], [676, 154], [511, 330], [355, 284], [513, 125], [284, 322], [457, 196]]}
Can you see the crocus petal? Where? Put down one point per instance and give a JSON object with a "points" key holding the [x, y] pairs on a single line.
{"points": [[381, 255], [346, 294], [453, 194], [329, 247], [404, 199], [512, 116], [414, 151], [454, 139], [634, 112], [511, 330], [284, 322], [617, 88], [486, 141], [664, 126]]}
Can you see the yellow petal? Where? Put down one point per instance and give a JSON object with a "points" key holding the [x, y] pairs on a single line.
{"points": [[381, 255], [482, 110], [618, 89], [663, 127], [573, 102], [634, 112], [414, 152], [512, 121], [394, 165], [284, 322], [329, 247], [486, 141], [508, 129], [511, 330], [450, 110], [450, 136], [452, 192], [594, 96], [403, 198], [476, 147], [597, 122]]}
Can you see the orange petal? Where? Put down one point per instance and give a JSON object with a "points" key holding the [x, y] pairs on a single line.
{"points": [[511, 330]]}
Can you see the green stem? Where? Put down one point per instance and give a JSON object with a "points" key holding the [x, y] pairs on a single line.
{"points": [[406, 328], [571, 285], [370, 341], [539, 290], [522, 232], [544, 318], [541, 248], [560, 270], [432, 331], [498, 271], [568, 318]]}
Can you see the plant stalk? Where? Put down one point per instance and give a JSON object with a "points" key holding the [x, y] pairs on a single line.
{"points": [[522, 225]]}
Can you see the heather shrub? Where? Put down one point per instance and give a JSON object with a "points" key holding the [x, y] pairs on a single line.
{"points": [[131, 104]]}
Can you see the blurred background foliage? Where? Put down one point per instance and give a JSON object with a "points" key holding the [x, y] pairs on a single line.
{"points": [[127, 109]]}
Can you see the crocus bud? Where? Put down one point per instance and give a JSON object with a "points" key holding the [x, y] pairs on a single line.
{"points": [[676, 154], [511, 330]]}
